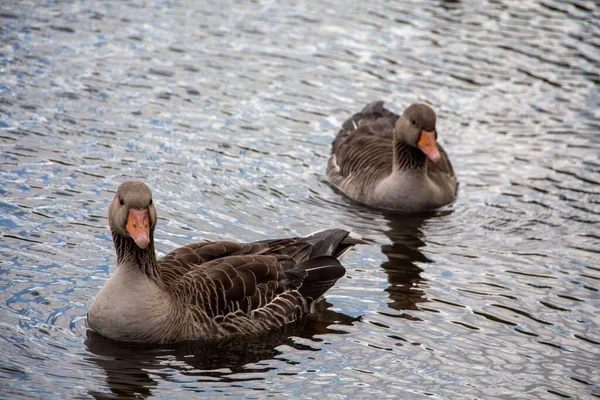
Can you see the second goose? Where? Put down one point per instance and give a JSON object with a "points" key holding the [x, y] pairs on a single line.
{"points": [[392, 162]]}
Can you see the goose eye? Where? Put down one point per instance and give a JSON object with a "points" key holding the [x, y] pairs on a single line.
{"points": [[121, 202], [150, 202], [413, 122]]}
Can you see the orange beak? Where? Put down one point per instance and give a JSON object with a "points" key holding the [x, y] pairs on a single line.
{"points": [[138, 226], [428, 145]]}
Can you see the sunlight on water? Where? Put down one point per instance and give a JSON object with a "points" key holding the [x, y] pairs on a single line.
{"points": [[228, 112]]}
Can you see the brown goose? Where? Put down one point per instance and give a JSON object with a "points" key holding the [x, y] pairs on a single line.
{"points": [[394, 163], [207, 291]]}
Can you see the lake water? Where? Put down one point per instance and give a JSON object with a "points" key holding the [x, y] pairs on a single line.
{"points": [[227, 110]]}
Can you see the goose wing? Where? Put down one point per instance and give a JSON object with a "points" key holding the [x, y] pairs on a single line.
{"points": [[184, 259], [230, 284], [364, 144], [225, 277]]}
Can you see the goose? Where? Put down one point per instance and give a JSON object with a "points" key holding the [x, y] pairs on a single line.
{"points": [[391, 162], [207, 291]]}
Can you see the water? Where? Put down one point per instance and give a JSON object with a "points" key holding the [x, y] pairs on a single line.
{"points": [[227, 110]]}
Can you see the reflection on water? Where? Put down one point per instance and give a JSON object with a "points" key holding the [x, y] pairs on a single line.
{"points": [[133, 369], [404, 257], [228, 110]]}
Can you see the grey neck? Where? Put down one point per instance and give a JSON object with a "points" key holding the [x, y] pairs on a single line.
{"points": [[407, 157], [129, 253]]}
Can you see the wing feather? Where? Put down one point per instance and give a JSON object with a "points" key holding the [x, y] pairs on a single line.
{"points": [[269, 282]]}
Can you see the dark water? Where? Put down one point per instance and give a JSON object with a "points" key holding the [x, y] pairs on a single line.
{"points": [[227, 110]]}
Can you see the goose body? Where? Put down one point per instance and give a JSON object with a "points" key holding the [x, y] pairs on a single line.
{"points": [[392, 162], [207, 291]]}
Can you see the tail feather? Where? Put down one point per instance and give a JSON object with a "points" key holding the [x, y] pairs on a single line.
{"points": [[314, 277], [315, 266], [348, 242], [325, 243], [332, 242]]}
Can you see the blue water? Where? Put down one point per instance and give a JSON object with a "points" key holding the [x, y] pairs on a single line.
{"points": [[227, 111]]}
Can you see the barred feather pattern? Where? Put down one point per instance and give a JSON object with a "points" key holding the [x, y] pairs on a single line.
{"points": [[359, 162]]}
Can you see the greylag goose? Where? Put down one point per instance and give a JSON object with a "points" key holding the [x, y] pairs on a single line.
{"points": [[393, 163], [207, 291]]}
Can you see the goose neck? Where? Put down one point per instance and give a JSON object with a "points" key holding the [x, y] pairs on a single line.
{"points": [[128, 253], [407, 157]]}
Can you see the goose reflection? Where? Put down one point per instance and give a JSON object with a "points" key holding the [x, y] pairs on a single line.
{"points": [[404, 255], [134, 370]]}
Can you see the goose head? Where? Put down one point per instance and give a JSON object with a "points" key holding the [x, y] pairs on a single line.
{"points": [[132, 213], [416, 127]]}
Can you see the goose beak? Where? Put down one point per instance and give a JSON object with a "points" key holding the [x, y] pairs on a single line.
{"points": [[138, 226], [428, 146]]}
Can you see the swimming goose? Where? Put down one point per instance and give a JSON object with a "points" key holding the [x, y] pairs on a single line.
{"points": [[394, 163], [207, 291]]}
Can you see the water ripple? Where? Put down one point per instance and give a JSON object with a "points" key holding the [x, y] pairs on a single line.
{"points": [[228, 112]]}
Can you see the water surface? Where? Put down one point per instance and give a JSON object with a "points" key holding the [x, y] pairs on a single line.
{"points": [[228, 110]]}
